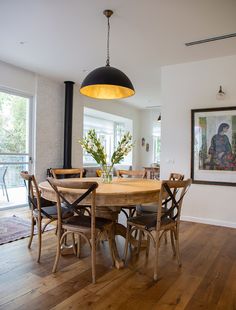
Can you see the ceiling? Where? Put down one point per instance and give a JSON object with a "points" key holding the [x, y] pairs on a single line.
{"points": [[66, 39]]}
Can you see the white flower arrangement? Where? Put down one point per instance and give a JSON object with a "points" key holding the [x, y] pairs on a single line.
{"points": [[93, 145]]}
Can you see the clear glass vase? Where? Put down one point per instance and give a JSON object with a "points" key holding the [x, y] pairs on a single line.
{"points": [[107, 174]]}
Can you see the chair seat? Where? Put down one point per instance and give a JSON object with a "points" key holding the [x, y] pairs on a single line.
{"points": [[52, 212], [147, 208], [85, 222], [149, 221]]}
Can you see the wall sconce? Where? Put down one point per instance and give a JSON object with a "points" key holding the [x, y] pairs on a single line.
{"points": [[221, 94]]}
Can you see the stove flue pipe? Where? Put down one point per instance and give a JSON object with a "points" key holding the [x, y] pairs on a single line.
{"points": [[68, 124]]}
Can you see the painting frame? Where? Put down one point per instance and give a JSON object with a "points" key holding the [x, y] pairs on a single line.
{"points": [[209, 165]]}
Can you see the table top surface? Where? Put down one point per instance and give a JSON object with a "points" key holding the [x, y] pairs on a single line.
{"points": [[118, 185], [120, 191]]}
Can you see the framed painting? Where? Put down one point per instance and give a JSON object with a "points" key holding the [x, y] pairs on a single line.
{"points": [[213, 146]]}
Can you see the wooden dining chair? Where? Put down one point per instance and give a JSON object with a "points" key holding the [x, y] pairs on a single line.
{"points": [[148, 208], [88, 227], [67, 173], [140, 174], [176, 176], [41, 210], [156, 225]]}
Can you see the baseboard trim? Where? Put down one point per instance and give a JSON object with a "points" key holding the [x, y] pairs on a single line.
{"points": [[208, 221]]}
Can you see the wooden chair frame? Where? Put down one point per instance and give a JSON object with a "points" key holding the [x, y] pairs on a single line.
{"points": [[142, 174], [34, 199], [87, 189], [66, 172], [160, 222], [132, 173]]}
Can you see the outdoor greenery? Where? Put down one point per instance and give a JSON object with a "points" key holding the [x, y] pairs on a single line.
{"points": [[13, 131], [12, 123]]}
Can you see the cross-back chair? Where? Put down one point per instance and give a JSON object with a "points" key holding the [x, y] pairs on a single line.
{"points": [[156, 225], [67, 173], [148, 208], [88, 227], [41, 209], [176, 176], [61, 173], [140, 174]]}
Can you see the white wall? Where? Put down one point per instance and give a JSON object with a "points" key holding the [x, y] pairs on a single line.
{"points": [[49, 134], [148, 120], [185, 87], [17, 79]]}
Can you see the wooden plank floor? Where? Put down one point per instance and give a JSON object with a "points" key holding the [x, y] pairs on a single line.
{"points": [[207, 279]]}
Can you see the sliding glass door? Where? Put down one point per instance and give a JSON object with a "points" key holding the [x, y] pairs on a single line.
{"points": [[15, 147]]}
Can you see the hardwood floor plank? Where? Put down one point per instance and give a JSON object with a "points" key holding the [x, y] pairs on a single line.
{"points": [[209, 291], [227, 300]]}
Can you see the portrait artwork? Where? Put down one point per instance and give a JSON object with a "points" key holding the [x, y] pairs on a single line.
{"points": [[214, 146]]}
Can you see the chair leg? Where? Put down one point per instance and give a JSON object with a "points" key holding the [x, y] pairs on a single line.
{"points": [[139, 241], [156, 257], [78, 246], [93, 259], [148, 245], [39, 225], [172, 236], [31, 232], [58, 254], [177, 248], [74, 246], [165, 236], [126, 242]]}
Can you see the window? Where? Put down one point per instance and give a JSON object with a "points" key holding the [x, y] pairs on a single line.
{"points": [[15, 143], [156, 143], [109, 128]]}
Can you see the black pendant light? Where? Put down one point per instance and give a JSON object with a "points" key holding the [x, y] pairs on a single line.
{"points": [[107, 82]]}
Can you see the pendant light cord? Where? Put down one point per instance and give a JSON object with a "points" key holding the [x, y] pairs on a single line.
{"points": [[108, 42]]}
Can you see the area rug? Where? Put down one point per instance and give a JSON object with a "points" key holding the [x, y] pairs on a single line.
{"points": [[14, 228]]}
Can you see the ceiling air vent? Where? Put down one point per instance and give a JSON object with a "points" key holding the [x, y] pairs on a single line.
{"points": [[226, 36]]}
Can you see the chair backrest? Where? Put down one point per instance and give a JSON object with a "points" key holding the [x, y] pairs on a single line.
{"points": [[3, 171], [132, 173], [171, 195], [33, 190], [63, 189], [67, 173], [176, 176]]}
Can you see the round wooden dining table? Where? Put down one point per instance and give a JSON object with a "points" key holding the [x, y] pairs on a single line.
{"points": [[110, 198]]}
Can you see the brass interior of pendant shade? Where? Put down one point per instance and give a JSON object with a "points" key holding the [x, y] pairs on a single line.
{"points": [[105, 91]]}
